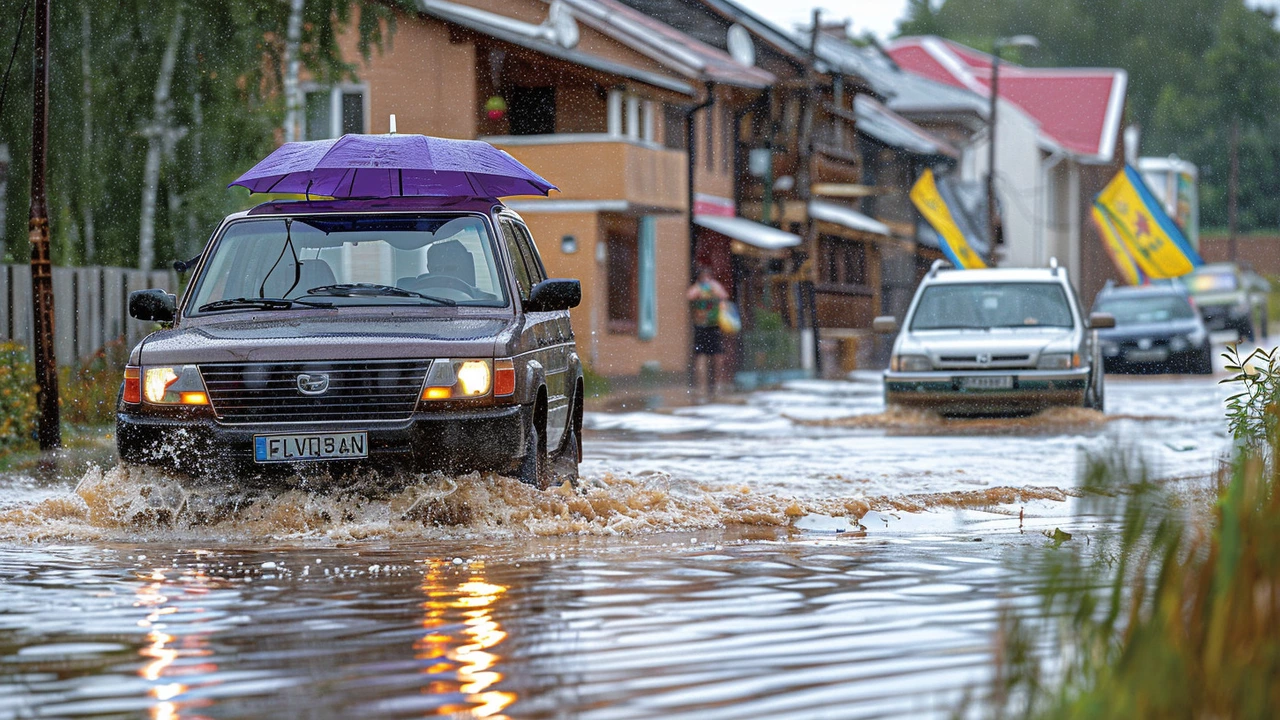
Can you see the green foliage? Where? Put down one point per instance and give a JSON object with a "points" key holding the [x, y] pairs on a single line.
{"points": [[1253, 414], [1174, 615], [89, 389], [1193, 65], [225, 104], [17, 398]]}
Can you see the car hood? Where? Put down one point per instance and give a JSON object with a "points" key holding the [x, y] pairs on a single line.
{"points": [[298, 339], [999, 341]]}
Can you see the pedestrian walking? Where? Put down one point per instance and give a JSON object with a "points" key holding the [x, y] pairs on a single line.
{"points": [[705, 296]]}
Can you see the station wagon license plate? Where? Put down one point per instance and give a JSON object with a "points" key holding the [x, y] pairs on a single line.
{"points": [[1154, 355], [986, 382], [310, 446]]}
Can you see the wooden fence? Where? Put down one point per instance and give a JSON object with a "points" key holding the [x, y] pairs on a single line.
{"points": [[90, 306]]}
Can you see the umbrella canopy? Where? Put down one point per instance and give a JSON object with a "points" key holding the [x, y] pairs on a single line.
{"points": [[392, 166]]}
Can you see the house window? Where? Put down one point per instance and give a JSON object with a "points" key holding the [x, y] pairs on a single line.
{"points": [[531, 111], [333, 112], [726, 138], [844, 262], [622, 270], [673, 128]]}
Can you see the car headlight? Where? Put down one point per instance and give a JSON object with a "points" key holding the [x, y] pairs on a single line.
{"points": [[910, 363], [168, 385], [1058, 361], [451, 379], [1178, 344], [1110, 349]]}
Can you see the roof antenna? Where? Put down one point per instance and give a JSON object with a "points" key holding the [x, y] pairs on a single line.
{"points": [[393, 123]]}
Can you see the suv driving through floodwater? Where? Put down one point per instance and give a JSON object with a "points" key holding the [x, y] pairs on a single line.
{"points": [[992, 342], [420, 333]]}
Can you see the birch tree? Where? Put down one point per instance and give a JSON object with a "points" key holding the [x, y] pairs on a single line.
{"points": [[161, 137]]}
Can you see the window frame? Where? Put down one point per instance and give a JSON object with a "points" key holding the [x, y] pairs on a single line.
{"points": [[336, 93]]}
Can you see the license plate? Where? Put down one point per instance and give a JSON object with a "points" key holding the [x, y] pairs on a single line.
{"points": [[987, 382], [1153, 355], [310, 446]]}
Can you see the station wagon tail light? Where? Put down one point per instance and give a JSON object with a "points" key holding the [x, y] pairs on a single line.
{"points": [[453, 379], [133, 385], [504, 378], [173, 385]]}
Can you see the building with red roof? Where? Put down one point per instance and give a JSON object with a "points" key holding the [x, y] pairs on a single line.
{"points": [[1077, 113]]}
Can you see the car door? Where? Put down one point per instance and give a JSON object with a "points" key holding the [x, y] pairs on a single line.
{"points": [[545, 331]]}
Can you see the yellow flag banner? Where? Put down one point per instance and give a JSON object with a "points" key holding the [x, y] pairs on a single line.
{"points": [[1143, 228], [927, 199], [1115, 247]]}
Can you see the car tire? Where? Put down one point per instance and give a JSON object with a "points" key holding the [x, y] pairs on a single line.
{"points": [[1246, 330], [533, 468], [565, 466], [1095, 394]]}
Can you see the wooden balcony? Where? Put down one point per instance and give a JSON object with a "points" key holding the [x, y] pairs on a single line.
{"points": [[602, 167]]}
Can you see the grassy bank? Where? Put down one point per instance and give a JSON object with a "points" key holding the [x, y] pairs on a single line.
{"points": [[1176, 615], [87, 397]]}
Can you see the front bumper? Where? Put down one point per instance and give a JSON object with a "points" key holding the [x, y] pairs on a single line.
{"points": [[454, 441], [941, 390]]}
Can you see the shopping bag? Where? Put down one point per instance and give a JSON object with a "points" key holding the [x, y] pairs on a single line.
{"points": [[730, 321]]}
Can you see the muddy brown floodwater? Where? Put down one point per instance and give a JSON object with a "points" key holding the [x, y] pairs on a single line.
{"points": [[793, 553]]}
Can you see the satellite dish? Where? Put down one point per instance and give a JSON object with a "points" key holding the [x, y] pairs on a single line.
{"points": [[740, 46], [564, 29]]}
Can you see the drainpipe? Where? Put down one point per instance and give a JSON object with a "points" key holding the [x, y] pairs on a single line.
{"points": [[691, 153]]}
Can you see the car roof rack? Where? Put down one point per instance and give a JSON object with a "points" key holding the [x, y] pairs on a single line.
{"points": [[1053, 264], [939, 264]]}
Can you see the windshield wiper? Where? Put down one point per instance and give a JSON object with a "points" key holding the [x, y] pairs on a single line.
{"points": [[263, 303], [375, 290]]}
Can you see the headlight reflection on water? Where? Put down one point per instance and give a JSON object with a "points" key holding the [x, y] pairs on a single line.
{"points": [[474, 600], [164, 649]]}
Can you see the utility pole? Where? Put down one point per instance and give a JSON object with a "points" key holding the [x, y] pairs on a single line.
{"points": [[993, 214], [1233, 190], [48, 428]]}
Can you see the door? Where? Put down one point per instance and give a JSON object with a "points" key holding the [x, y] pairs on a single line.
{"points": [[549, 339]]}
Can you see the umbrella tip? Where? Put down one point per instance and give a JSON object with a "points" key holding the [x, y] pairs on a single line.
{"points": [[393, 123]]}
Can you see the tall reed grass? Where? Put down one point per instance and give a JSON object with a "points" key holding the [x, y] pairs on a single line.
{"points": [[1178, 614]]}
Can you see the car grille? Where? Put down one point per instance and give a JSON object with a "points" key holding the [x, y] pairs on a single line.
{"points": [[362, 390], [994, 362]]}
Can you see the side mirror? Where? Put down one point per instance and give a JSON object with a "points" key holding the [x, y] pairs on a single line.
{"points": [[885, 325], [1102, 321], [554, 294], [155, 305]]}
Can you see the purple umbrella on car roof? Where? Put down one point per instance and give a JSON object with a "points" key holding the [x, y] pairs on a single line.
{"points": [[392, 166]]}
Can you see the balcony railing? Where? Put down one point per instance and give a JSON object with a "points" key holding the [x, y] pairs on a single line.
{"points": [[604, 167]]}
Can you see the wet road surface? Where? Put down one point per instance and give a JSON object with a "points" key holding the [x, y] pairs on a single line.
{"points": [[698, 573]]}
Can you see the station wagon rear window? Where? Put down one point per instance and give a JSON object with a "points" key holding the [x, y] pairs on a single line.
{"points": [[354, 261], [981, 306]]}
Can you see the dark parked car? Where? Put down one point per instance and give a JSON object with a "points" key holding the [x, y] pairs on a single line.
{"points": [[1157, 330], [1230, 298], [419, 333]]}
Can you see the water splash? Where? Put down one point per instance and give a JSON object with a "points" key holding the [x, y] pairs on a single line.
{"points": [[127, 502]]}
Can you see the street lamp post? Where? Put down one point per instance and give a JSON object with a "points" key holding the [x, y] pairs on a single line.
{"points": [[992, 213]]}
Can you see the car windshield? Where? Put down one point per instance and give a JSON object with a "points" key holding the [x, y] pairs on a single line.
{"points": [[1150, 309], [437, 259], [981, 306], [1207, 282]]}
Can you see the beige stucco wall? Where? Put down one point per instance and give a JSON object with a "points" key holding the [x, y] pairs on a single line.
{"points": [[427, 81], [608, 353]]}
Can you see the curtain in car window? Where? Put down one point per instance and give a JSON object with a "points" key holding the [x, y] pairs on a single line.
{"points": [[647, 285]]}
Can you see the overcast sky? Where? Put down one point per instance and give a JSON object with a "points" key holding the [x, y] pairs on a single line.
{"points": [[878, 16]]}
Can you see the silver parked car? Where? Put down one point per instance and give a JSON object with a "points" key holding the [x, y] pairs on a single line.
{"points": [[995, 342]]}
